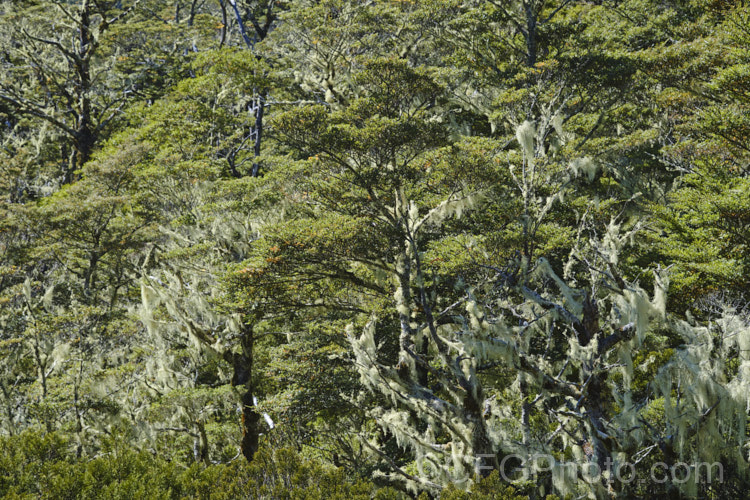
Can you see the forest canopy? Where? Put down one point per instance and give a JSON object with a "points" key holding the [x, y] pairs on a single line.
{"points": [[374, 249]]}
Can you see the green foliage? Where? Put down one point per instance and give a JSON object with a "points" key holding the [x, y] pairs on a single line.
{"points": [[35, 466], [389, 236], [704, 229]]}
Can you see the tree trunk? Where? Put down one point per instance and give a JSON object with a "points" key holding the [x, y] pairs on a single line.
{"points": [[480, 439], [243, 371], [530, 34], [260, 103], [85, 136]]}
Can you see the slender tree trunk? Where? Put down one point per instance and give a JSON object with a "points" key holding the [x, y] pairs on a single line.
{"points": [[241, 25], [224, 21], [525, 410], [260, 104], [531, 33], [260, 101], [200, 447], [85, 136], [191, 18], [89, 274], [243, 371], [480, 438]]}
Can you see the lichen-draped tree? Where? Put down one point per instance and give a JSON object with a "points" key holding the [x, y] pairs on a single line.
{"points": [[198, 138], [475, 417], [534, 360], [65, 327], [56, 74], [208, 223], [704, 393], [182, 303], [262, 18], [375, 173], [532, 351], [363, 188], [494, 330]]}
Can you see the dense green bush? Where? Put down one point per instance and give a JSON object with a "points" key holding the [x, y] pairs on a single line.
{"points": [[43, 466], [35, 465]]}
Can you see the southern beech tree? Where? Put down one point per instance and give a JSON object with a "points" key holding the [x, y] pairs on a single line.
{"points": [[204, 154], [414, 240], [66, 78], [55, 73], [380, 185], [201, 348], [66, 332], [516, 316]]}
